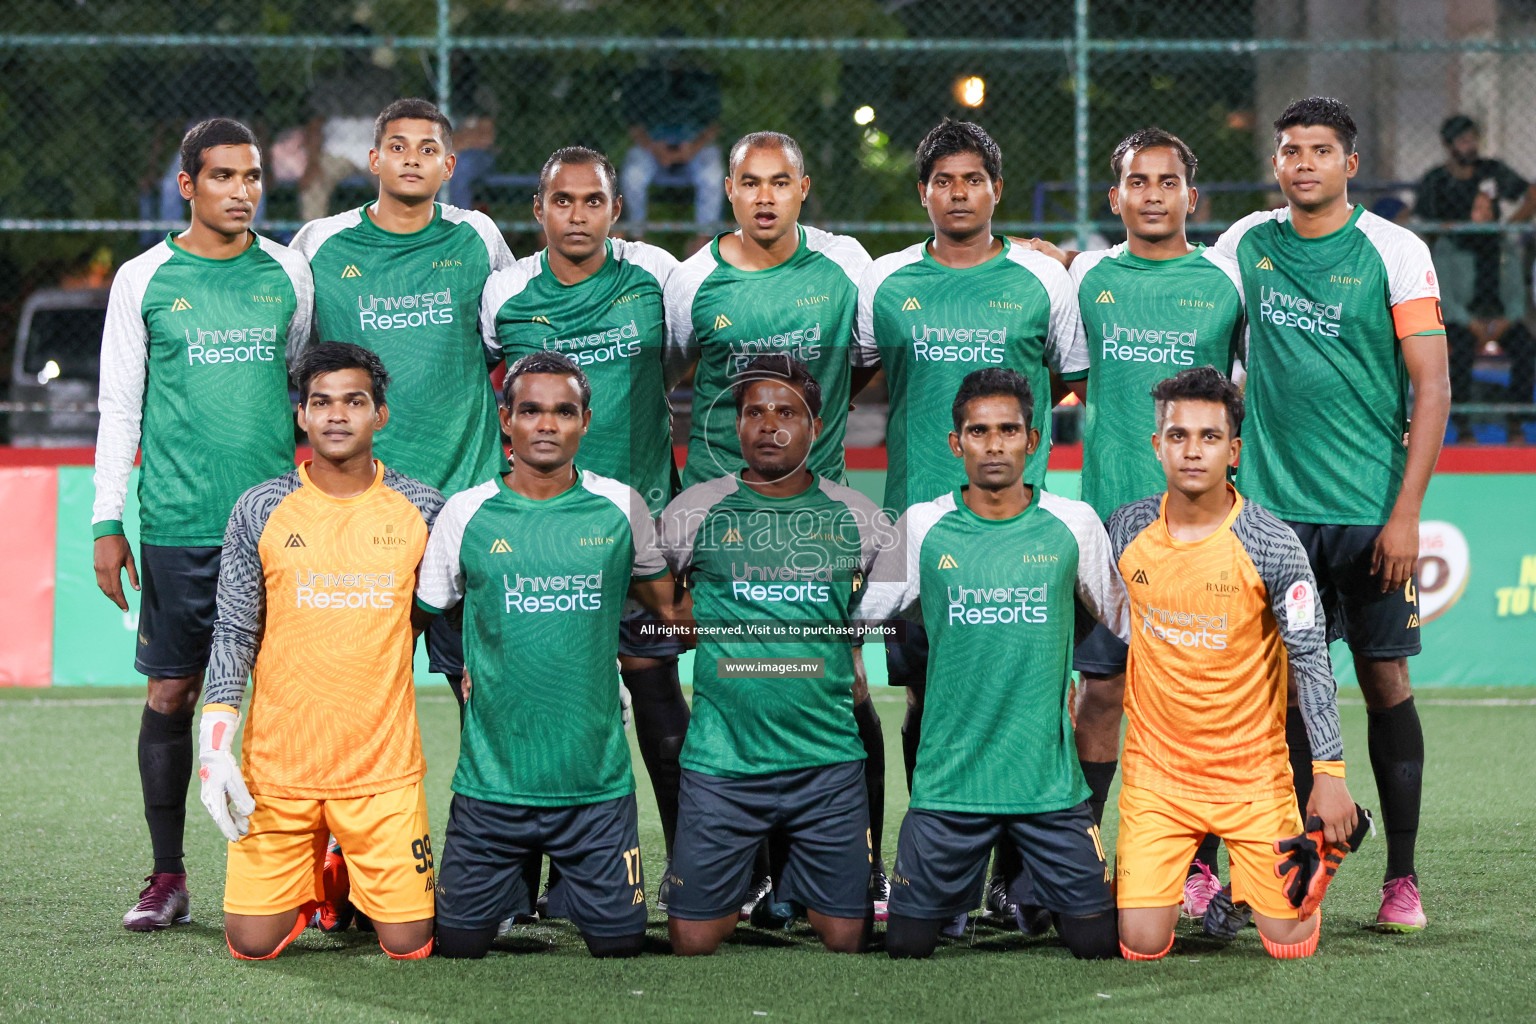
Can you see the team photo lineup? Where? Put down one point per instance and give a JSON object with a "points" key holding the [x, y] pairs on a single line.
{"points": [[491, 470]]}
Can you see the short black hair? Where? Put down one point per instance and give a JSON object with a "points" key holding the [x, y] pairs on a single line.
{"points": [[546, 361], [330, 356], [1455, 126], [1201, 384], [412, 109], [778, 366], [1320, 111], [994, 380], [771, 140], [579, 155], [1154, 138], [949, 137], [203, 136]]}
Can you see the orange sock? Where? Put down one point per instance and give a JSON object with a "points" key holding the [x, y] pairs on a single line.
{"points": [[1295, 950], [298, 926], [415, 954], [1130, 954]]}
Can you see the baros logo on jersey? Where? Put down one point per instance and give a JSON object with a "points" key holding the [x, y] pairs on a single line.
{"points": [[1185, 629], [599, 347], [959, 344], [1285, 310], [574, 593], [234, 345], [986, 606], [386, 312], [339, 591], [1149, 345], [804, 344], [761, 583]]}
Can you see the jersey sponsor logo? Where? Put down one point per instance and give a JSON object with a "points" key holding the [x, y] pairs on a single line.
{"points": [[1264, 264], [1149, 345], [959, 344], [1140, 576], [1298, 606], [390, 539], [234, 345], [1197, 304], [579, 592], [593, 542], [339, 591], [444, 264], [271, 300], [350, 270], [1285, 310], [803, 343], [500, 546], [722, 322], [988, 606], [948, 562], [1004, 304], [1105, 296], [539, 318], [180, 305], [615, 343], [911, 304], [632, 296], [294, 541], [772, 583], [1344, 279], [1185, 629], [374, 311], [812, 300]]}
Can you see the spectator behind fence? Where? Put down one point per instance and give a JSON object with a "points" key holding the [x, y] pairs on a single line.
{"points": [[1481, 293], [673, 110], [340, 132]]}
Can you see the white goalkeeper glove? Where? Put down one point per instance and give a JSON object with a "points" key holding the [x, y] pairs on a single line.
{"points": [[626, 710], [223, 786]]}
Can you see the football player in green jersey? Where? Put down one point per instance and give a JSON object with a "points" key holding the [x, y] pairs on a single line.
{"points": [[1344, 325], [212, 311], [772, 285], [599, 300], [997, 569], [934, 312]]}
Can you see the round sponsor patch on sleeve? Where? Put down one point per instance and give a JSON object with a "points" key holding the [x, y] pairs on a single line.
{"points": [[1299, 600]]}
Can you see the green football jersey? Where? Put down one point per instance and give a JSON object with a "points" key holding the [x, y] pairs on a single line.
{"points": [[1142, 322], [725, 318], [929, 325], [772, 578], [543, 583], [194, 367], [1327, 388], [414, 299], [613, 326], [996, 597]]}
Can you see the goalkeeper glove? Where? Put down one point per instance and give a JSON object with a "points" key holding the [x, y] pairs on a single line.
{"points": [[1308, 862], [626, 706], [223, 786]]}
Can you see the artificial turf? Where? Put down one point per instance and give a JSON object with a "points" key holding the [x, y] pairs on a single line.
{"points": [[76, 848]]}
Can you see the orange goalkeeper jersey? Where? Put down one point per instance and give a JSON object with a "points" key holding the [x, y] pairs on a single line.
{"points": [[1214, 624], [315, 604]]}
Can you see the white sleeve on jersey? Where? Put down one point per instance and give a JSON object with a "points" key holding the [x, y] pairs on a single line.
{"points": [[642, 529], [440, 580], [502, 285], [1099, 586], [656, 261], [1410, 270], [1065, 352], [296, 267], [1081, 264], [1226, 245], [844, 250], [678, 295], [120, 391], [496, 248], [895, 580], [866, 348], [1229, 266]]}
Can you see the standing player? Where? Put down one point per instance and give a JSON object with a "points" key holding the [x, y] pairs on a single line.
{"points": [[403, 276], [209, 313], [938, 310], [1345, 319], [1222, 600], [773, 285], [1150, 307], [599, 301], [773, 747], [542, 558], [994, 568], [315, 604]]}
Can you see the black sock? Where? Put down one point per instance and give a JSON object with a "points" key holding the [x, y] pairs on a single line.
{"points": [[606, 947], [165, 770], [1096, 937], [1397, 757], [1301, 759], [911, 733], [911, 937], [463, 943], [1100, 776], [1205, 853], [873, 738], [661, 723]]}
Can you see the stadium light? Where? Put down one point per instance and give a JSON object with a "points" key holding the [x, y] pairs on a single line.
{"points": [[970, 90], [864, 115]]}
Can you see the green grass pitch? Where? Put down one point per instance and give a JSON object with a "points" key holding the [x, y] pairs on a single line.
{"points": [[75, 848]]}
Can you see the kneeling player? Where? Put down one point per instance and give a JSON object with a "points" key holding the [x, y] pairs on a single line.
{"points": [[995, 568], [315, 585], [1222, 598], [773, 555], [542, 558]]}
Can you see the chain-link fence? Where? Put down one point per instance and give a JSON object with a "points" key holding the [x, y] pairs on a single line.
{"points": [[94, 97]]}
